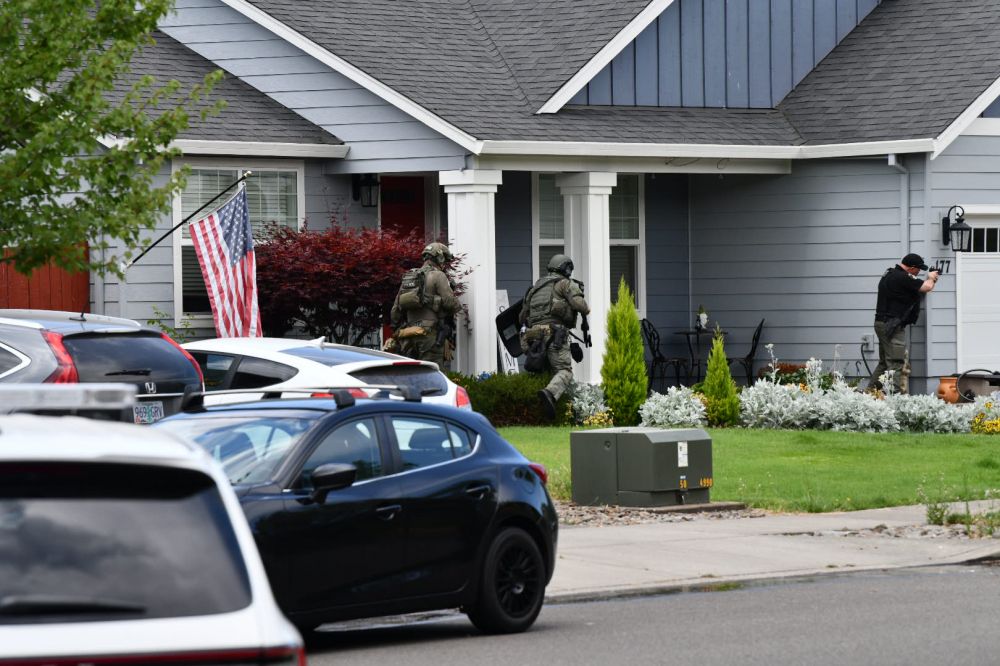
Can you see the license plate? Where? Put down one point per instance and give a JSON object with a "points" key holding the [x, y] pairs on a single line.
{"points": [[148, 412]]}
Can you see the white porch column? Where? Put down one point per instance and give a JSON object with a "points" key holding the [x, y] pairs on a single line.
{"points": [[586, 229], [472, 232]]}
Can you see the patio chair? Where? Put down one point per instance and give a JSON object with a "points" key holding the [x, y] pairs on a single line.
{"points": [[747, 361], [660, 364]]}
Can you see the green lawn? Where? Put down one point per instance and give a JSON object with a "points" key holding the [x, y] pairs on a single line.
{"points": [[815, 471]]}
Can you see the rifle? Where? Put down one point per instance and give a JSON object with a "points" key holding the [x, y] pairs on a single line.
{"points": [[584, 324], [445, 329]]}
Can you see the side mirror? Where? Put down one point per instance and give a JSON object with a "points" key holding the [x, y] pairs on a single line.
{"points": [[330, 477]]}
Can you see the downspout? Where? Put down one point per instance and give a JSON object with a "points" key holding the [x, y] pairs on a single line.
{"points": [[896, 163], [928, 251]]}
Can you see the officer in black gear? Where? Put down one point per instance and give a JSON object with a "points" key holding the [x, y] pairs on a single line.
{"points": [[898, 306], [548, 313]]}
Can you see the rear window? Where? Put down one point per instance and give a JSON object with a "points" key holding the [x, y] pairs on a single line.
{"points": [[332, 356], [129, 357], [427, 380], [100, 541]]}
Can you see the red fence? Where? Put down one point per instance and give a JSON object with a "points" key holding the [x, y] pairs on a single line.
{"points": [[48, 288]]}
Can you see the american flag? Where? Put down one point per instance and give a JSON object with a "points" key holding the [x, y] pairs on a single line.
{"points": [[223, 242]]}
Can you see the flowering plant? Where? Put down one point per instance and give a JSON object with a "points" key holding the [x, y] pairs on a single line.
{"points": [[679, 406]]}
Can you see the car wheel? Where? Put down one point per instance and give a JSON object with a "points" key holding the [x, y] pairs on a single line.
{"points": [[512, 584]]}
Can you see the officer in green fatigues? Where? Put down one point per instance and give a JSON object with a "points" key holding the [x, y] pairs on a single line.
{"points": [[423, 307], [548, 313]]}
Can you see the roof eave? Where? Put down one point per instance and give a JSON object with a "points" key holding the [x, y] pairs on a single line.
{"points": [[261, 148]]}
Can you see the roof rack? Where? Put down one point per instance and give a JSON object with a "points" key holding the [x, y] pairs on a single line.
{"points": [[195, 400], [43, 397]]}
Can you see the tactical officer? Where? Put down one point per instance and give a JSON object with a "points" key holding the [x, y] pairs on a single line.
{"points": [[424, 306], [548, 313], [898, 305]]}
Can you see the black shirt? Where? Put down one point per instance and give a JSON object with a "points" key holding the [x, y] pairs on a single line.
{"points": [[898, 292]]}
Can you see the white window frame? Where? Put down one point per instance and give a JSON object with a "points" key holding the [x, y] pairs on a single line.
{"points": [[640, 242], [203, 320]]}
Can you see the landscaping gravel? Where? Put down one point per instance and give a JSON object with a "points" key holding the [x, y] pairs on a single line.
{"points": [[572, 515]]}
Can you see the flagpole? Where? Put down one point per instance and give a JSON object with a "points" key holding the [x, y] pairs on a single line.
{"points": [[125, 267]]}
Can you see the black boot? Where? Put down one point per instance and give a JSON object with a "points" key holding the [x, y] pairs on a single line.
{"points": [[548, 404]]}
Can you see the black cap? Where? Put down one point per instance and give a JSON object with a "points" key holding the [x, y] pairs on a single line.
{"points": [[914, 261]]}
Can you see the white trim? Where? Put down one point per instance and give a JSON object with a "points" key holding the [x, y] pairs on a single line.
{"points": [[23, 361], [363, 79], [967, 117], [976, 210], [605, 55], [201, 320], [260, 148], [718, 151], [686, 165], [983, 127]]}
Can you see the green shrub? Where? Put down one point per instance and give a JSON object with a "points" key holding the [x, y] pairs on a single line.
{"points": [[722, 402], [624, 367], [508, 400]]}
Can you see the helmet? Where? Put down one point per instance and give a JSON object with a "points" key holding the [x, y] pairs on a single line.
{"points": [[438, 253], [561, 264]]}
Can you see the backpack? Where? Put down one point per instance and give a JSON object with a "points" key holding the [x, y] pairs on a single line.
{"points": [[541, 303], [411, 289]]}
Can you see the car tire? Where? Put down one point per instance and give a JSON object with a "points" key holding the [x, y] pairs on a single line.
{"points": [[511, 585]]}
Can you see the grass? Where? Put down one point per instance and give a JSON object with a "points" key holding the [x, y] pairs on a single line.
{"points": [[814, 471]]}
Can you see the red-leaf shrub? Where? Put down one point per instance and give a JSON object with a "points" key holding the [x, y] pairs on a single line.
{"points": [[338, 283]]}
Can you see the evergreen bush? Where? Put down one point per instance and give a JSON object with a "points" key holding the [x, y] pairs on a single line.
{"points": [[623, 370], [511, 399], [722, 402]]}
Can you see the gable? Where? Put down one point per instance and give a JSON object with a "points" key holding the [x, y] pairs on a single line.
{"points": [[733, 54]]}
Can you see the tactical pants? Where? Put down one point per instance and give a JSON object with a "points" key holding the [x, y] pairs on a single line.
{"points": [[423, 348], [891, 356], [561, 364]]}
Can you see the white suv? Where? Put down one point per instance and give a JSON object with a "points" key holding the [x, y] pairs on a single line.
{"points": [[121, 544]]}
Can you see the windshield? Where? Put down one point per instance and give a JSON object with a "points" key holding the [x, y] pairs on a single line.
{"points": [[250, 445], [98, 541]]}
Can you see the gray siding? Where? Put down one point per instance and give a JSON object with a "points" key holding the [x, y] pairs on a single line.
{"points": [[667, 283], [381, 137], [513, 233], [725, 53], [328, 199], [805, 252]]}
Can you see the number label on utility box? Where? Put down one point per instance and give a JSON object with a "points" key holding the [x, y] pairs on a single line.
{"points": [[682, 454]]}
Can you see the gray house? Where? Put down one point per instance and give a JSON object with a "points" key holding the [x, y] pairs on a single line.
{"points": [[760, 158]]}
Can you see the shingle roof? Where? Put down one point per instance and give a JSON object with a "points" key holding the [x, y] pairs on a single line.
{"points": [[907, 71], [485, 66], [249, 115]]}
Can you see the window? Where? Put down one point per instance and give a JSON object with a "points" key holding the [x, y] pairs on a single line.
{"points": [[215, 368], [422, 442], [625, 224], [274, 194], [626, 212], [354, 443], [11, 360], [257, 373], [985, 239]]}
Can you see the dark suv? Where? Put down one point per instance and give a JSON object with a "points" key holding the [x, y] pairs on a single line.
{"points": [[69, 347]]}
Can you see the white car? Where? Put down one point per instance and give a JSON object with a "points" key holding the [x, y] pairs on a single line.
{"points": [[122, 544], [285, 363]]}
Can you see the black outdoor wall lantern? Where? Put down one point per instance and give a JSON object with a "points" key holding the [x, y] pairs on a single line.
{"points": [[958, 234], [364, 188]]}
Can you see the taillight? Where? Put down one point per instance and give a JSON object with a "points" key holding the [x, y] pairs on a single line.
{"points": [[66, 372], [187, 355], [355, 393], [540, 472], [462, 400], [407, 363]]}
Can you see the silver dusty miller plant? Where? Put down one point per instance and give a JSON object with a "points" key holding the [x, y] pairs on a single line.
{"points": [[679, 406], [586, 400]]}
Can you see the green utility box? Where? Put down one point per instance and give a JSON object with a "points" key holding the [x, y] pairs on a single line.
{"points": [[646, 467]]}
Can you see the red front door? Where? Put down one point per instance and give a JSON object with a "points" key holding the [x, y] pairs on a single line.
{"points": [[403, 204]]}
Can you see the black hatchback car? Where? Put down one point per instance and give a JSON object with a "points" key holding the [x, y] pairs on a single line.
{"points": [[49, 346], [380, 507]]}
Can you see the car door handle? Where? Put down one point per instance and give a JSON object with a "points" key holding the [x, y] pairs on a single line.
{"points": [[479, 492], [388, 512]]}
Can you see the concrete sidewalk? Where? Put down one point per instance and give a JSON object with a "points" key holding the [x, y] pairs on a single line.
{"points": [[604, 562]]}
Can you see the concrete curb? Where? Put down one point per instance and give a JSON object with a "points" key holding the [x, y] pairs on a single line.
{"points": [[722, 583]]}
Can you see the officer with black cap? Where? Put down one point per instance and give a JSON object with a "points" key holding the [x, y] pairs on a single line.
{"points": [[898, 306]]}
